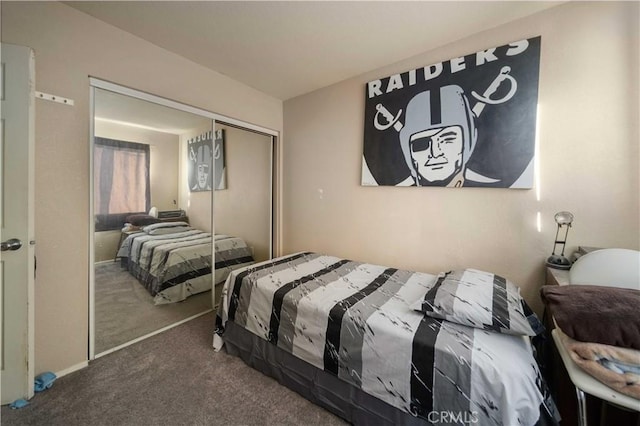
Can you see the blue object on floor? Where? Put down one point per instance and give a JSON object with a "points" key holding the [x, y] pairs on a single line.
{"points": [[44, 381], [19, 403]]}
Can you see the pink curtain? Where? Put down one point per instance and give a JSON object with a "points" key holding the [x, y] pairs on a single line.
{"points": [[121, 177]]}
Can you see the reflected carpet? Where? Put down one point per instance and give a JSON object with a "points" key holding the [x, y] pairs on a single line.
{"points": [[124, 309]]}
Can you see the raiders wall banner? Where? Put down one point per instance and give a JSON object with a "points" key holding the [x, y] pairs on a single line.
{"points": [[202, 151], [466, 122]]}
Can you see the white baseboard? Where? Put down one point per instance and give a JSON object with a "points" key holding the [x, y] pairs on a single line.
{"points": [[72, 369]]}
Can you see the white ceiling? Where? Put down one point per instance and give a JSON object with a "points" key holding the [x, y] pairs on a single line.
{"points": [[289, 48]]}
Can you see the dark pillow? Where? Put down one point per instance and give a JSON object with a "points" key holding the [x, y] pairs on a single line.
{"points": [[590, 313], [482, 300], [141, 219]]}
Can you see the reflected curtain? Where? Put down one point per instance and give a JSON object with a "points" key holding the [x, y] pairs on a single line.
{"points": [[121, 181]]}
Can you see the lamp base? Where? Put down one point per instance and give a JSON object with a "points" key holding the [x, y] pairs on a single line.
{"points": [[558, 262]]}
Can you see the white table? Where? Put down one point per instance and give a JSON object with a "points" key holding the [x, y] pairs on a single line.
{"points": [[585, 383]]}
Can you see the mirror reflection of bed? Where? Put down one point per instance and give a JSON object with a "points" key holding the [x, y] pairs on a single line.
{"points": [[153, 260]]}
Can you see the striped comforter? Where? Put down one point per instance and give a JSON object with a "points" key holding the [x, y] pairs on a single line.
{"points": [[354, 321], [174, 266]]}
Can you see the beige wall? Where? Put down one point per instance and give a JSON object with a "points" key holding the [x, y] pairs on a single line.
{"points": [[588, 156], [69, 47], [244, 208]]}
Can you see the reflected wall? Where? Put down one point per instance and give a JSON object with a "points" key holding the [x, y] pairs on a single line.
{"points": [[244, 208]]}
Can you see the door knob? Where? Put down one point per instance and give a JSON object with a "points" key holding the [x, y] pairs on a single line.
{"points": [[12, 244]]}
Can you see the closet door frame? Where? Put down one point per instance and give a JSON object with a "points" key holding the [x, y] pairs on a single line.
{"points": [[95, 83]]}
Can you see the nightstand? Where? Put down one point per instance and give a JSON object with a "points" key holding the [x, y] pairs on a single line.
{"points": [[123, 236], [557, 276]]}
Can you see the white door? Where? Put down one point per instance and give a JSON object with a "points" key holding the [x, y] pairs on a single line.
{"points": [[17, 264]]}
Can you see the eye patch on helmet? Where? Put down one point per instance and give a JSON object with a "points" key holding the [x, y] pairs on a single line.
{"points": [[422, 141]]}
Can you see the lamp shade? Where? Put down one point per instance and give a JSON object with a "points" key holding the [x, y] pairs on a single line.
{"points": [[563, 218]]}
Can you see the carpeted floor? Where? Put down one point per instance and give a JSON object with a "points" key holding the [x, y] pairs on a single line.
{"points": [[173, 378], [124, 309]]}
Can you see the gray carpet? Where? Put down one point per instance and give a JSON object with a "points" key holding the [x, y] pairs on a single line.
{"points": [[124, 309], [173, 378]]}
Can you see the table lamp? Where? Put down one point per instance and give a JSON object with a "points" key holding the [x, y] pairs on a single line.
{"points": [[559, 261]]}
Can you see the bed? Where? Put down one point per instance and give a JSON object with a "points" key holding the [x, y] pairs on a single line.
{"points": [[173, 261], [346, 335]]}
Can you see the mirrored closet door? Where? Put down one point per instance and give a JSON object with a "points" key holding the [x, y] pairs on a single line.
{"points": [[180, 198]]}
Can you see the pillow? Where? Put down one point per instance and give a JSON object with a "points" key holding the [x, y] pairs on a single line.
{"points": [[166, 228], [173, 230], [141, 219], [597, 314], [482, 300]]}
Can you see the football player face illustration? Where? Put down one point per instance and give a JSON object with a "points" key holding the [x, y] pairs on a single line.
{"points": [[439, 135], [437, 153]]}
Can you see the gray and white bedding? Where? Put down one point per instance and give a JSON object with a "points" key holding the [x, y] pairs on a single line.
{"points": [[355, 321], [174, 265]]}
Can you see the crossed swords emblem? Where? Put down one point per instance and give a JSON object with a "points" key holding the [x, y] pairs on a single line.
{"points": [[216, 153]]}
